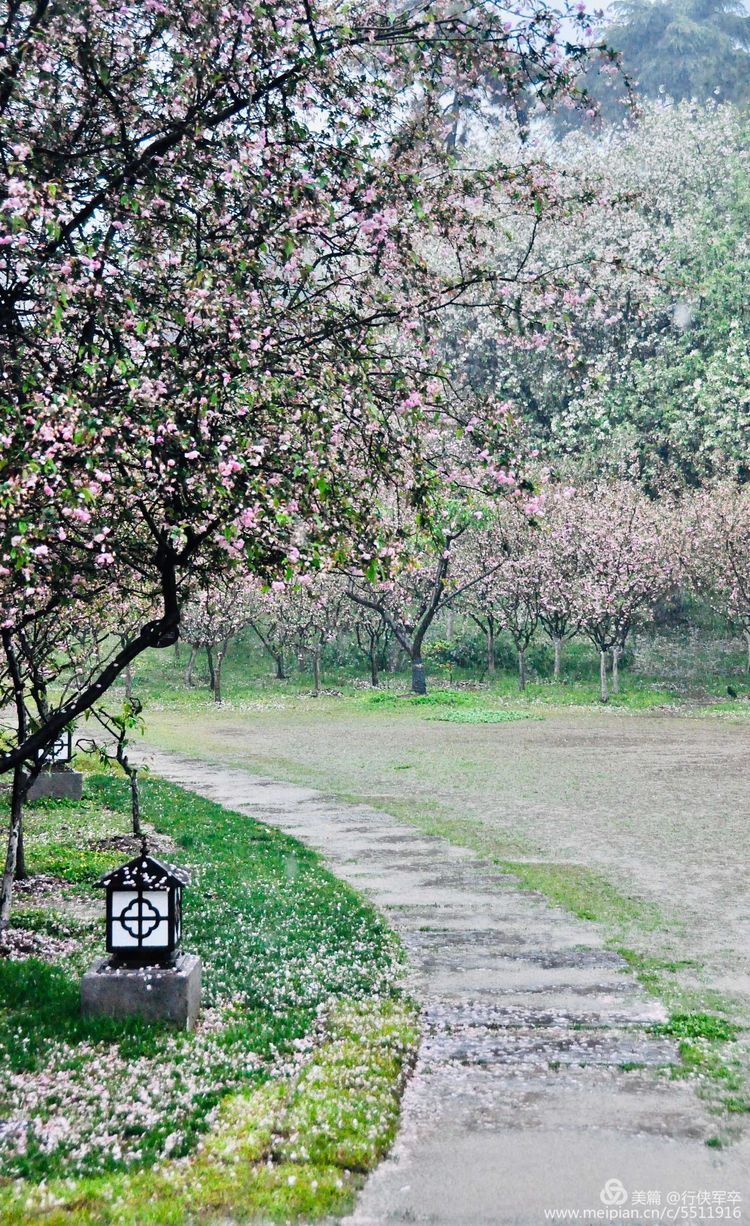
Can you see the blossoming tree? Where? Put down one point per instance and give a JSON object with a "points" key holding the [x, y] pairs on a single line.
{"points": [[628, 560], [501, 579], [715, 535], [211, 619], [212, 236]]}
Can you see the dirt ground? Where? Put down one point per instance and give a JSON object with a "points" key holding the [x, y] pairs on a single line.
{"points": [[658, 804]]}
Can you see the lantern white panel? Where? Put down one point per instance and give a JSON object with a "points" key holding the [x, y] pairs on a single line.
{"points": [[140, 920], [60, 750]]}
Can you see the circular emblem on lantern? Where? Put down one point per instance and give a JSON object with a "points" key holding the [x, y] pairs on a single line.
{"points": [[140, 918]]}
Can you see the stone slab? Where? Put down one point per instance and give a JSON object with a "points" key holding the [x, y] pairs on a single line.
{"points": [[57, 785], [155, 993]]}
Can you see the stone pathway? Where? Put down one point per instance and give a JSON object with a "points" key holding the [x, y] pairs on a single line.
{"points": [[537, 1081]]}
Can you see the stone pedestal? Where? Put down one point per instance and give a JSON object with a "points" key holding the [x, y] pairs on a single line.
{"points": [[57, 785], [156, 993]]}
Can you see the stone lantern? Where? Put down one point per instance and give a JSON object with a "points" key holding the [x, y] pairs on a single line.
{"points": [[58, 780], [144, 911], [145, 972]]}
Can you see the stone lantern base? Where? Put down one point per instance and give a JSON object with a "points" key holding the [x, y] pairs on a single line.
{"points": [[155, 993], [57, 785]]}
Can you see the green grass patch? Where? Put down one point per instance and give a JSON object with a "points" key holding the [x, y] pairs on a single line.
{"points": [[435, 698], [712, 1056], [586, 893], [708, 1026], [480, 716]]}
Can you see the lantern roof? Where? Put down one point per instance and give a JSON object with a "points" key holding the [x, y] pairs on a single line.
{"points": [[145, 873]]}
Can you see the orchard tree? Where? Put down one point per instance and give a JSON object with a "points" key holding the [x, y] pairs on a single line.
{"points": [[210, 620], [559, 567], [271, 618], [715, 527], [211, 240], [118, 728], [479, 554], [48, 660], [629, 560], [501, 578], [419, 586], [319, 610], [372, 635]]}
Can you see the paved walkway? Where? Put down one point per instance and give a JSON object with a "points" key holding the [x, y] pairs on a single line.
{"points": [[525, 1098]]}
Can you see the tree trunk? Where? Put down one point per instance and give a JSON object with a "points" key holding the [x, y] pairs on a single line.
{"points": [[316, 669], [522, 669], [11, 857], [135, 802], [557, 643], [279, 661], [747, 663], [211, 670], [190, 666], [21, 874], [374, 678], [418, 679], [491, 665], [603, 687], [616, 653], [217, 671]]}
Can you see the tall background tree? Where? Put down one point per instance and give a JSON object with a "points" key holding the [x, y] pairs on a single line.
{"points": [[684, 48]]}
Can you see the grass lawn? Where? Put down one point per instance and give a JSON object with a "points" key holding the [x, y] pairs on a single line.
{"points": [[288, 1091]]}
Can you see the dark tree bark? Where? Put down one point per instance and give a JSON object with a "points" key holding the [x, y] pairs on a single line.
{"points": [[21, 870], [418, 679], [220, 656], [211, 670], [317, 649], [522, 668], [603, 685], [491, 663], [190, 666], [18, 795], [557, 643]]}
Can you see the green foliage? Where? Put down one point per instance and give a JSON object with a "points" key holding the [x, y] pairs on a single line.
{"points": [[685, 48], [698, 1026], [481, 717]]}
